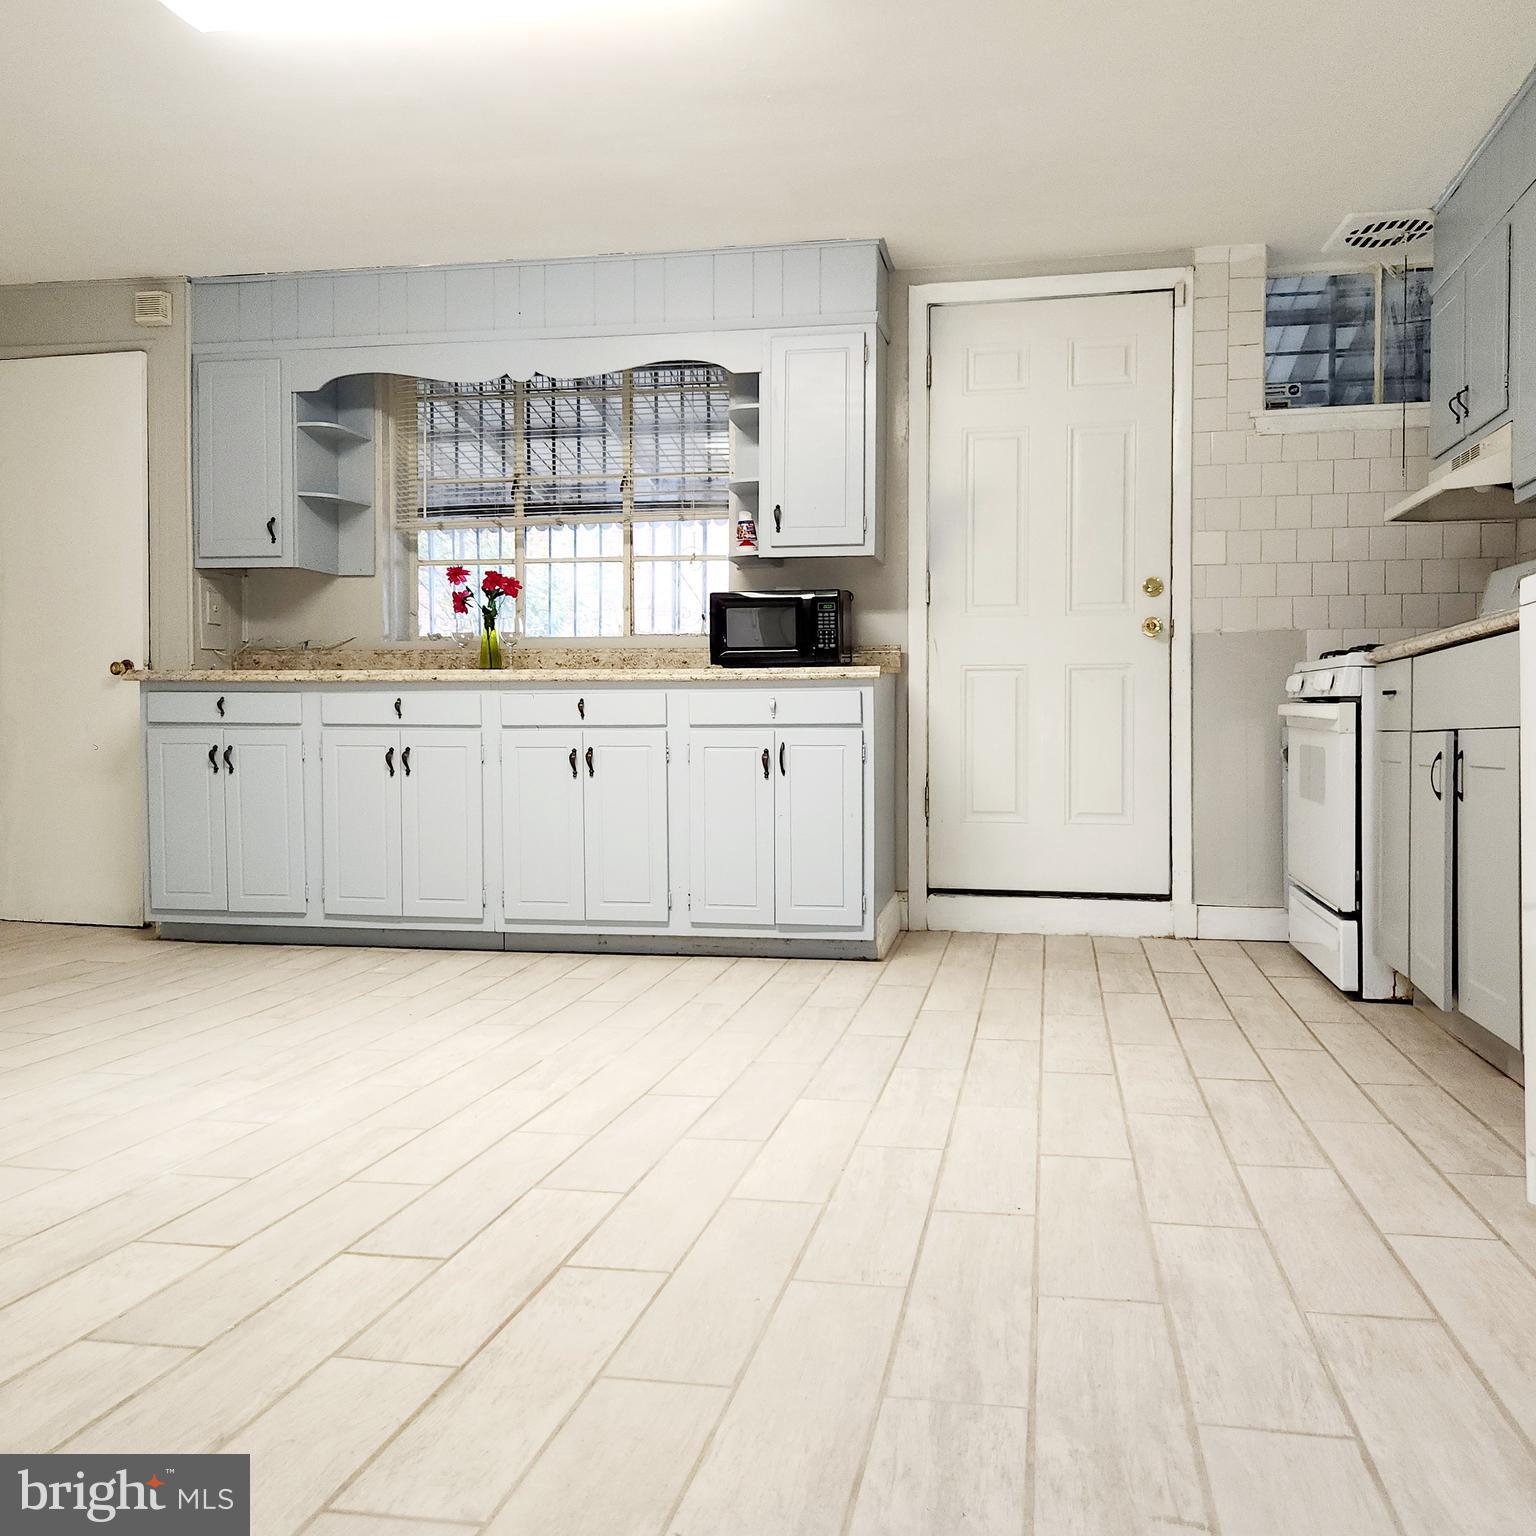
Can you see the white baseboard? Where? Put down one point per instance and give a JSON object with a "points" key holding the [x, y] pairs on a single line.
{"points": [[1055, 914], [1241, 923], [890, 922]]}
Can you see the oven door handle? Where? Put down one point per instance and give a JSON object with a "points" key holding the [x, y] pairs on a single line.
{"points": [[1319, 717]]}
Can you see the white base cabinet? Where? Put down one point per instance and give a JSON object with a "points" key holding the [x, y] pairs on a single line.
{"points": [[724, 816], [226, 820], [777, 829], [1431, 865], [1393, 777], [584, 825], [1488, 880]]}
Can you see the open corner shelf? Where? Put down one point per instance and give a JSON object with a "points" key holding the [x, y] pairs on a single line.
{"points": [[331, 498], [334, 430]]}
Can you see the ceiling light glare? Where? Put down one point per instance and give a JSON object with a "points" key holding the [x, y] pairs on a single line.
{"points": [[354, 17]]}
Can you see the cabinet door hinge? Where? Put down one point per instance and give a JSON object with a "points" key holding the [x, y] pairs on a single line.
{"points": [[864, 902], [863, 751], [928, 581], [1178, 295], [669, 754], [925, 800], [669, 901], [866, 351], [930, 370]]}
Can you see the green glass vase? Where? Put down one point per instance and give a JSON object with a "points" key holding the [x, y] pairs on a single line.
{"points": [[490, 648]]}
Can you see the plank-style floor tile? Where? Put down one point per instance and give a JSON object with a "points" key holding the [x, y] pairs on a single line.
{"points": [[998, 1234], [1292, 1485], [944, 1467], [1446, 1456], [789, 1450]]}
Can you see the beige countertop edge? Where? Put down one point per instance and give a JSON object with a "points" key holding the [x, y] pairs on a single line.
{"points": [[1457, 634], [514, 678]]}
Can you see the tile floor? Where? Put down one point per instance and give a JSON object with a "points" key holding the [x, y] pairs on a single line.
{"points": [[1082, 1236]]}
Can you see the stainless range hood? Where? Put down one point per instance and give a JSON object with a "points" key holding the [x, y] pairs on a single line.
{"points": [[1476, 486]]}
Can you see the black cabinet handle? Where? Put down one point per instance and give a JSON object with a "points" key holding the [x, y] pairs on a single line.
{"points": [[1389, 693], [219, 705], [581, 708], [778, 519], [389, 761], [1460, 785], [573, 762], [272, 529], [213, 757], [783, 771], [765, 762], [229, 760], [398, 715], [591, 771], [405, 761], [1439, 759]]}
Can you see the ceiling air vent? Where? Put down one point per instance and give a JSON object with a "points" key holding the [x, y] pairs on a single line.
{"points": [[1403, 235], [151, 309]]}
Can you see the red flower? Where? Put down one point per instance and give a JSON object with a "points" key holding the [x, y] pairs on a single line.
{"points": [[461, 600], [497, 585], [458, 575]]}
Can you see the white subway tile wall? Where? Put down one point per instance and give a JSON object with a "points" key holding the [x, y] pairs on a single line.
{"points": [[1289, 529]]}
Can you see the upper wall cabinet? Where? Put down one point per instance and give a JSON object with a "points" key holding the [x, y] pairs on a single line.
{"points": [[1483, 345], [281, 478], [284, 369], [819, 448]]}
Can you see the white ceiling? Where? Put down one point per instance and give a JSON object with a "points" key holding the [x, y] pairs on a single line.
{"points": [[964, 131]]}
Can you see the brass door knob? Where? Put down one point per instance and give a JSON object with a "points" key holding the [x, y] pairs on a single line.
{"points": [[121, 668], [1153, 586], [1152, 628]]}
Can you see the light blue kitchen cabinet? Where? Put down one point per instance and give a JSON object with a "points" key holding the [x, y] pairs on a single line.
{"points": [[238, 462], [1485, 394], [226, 819], [1448, 365], [1488, 880], [1522, 329]]}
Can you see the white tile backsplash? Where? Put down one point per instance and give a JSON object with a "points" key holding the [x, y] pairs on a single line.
{"points": [[1290, 529]]}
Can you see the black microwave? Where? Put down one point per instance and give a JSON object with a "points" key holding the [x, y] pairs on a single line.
{"points": [[781, 629]]}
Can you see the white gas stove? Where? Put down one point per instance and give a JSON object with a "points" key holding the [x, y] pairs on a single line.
{"points": [[1328, 730]]}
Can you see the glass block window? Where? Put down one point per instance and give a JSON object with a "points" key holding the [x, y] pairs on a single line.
{"points": [[1346, 338], [606, 496]]}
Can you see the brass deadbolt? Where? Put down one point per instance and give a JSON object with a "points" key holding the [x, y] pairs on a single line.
{"points": [[1153, 586]]}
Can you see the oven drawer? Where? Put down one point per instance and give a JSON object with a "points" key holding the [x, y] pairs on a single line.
{"points": [[1329, 942]]}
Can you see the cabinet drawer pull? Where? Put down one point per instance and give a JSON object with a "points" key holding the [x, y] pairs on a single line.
{"points": [[573, 763], [1389, 693], [405, 761], [765, 762], [219, 705], [398, 715], [581, 708], [389, 761], [213, 757], [229, 760], [783, 771], [590, 769], [272, 529], [1435, 788]]}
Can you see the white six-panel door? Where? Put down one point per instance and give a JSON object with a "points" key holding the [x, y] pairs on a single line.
{"points": [[441, 842], [624, 777], [186, 820], [543, 858], [731, 843], [819, 825], [361, 813], [264, 818], [1050, 505]]}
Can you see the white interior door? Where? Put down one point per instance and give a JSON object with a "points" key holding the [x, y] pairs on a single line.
{"points": [[1050, 504], [73, 484]]}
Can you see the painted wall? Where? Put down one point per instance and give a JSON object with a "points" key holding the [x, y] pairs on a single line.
{"points": [[53, 318]]}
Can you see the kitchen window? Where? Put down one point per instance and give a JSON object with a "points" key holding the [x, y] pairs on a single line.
{"points": [[607, 496], [1346, 338]]}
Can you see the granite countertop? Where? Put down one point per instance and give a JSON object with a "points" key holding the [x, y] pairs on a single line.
{"points": [[650, 666], [1457, 634]]}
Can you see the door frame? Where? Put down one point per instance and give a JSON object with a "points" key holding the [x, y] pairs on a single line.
{"points": [[1053, 914]]}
